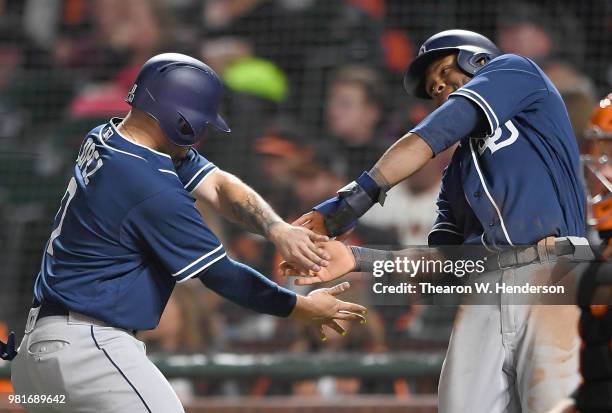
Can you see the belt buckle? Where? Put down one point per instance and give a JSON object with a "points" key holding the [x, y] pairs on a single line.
{"points": [[499, 264], [32, 317]]}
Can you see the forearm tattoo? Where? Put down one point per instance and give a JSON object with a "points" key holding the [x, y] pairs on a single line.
{"points": [[255, 214]]}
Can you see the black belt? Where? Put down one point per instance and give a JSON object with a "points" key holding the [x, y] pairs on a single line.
{"points": [[49, 308], [519, 256]]}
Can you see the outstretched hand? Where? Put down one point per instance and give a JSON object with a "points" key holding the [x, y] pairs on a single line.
{"points": [[296, 244], [322, 308], [7, 350], [315, 221], [341, 261], [312, 220]]}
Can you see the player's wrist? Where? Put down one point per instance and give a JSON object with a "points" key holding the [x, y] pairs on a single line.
{"points": [[275, 229], [365, 258], [303, 308], [353, 200], [379, 179]]}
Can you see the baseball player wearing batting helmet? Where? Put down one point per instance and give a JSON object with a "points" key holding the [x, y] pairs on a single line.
{"points": [[127, 231], [514, 180]]}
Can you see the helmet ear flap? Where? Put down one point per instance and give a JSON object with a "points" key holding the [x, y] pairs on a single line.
{"points": [[470, 63], [185, 129], [480, 59]]}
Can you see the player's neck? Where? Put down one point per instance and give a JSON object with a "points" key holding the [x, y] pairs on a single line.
{"points": [[137, 128], [143, 130]]}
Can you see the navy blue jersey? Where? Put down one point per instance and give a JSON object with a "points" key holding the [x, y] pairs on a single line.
{"points": [[193, 170], [126, 231], [519, 182]]}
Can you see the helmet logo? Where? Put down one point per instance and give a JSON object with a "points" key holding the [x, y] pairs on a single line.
{"points": [[422, 50], [130, 95]]}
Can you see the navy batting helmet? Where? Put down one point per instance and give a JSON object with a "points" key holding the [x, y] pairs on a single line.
{"points": [[471, 48], [182, 94]]}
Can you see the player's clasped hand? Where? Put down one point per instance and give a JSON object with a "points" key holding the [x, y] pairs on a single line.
{"points": [[296, 245], [312, 220], [341, 262], [322, 308], [315, 221]]}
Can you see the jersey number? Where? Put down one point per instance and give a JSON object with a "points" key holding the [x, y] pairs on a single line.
{"points": [[70, 192]]}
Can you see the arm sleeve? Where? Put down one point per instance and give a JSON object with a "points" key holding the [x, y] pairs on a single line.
{"points": [[168, 227], [506, 86], [454, 120], [245, 286], [445, 230], [193, 170]]}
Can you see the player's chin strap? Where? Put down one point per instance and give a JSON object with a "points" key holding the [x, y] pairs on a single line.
{"points": [[355, 199]]}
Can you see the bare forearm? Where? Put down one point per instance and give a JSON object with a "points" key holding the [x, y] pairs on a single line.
{"points": [[240, 204], [401, 160]]}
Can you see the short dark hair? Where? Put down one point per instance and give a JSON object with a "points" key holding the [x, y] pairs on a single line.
{"points": [[364, 77]]}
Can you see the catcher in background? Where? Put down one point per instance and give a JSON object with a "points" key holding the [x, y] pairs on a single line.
{"points": [[598, 172], [514, 180], [595, 393]]}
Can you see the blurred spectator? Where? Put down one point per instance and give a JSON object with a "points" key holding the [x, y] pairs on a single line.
{"points": [[578, 93], [180, 327], [540, 33], [527, 39], [277, 152], [319, 176], [221, 13], [33, 91], [13, 121], [354, 112], [315, 178], [250, 248], [334, 33], [220, 52], [410, 207], [145, 30]]}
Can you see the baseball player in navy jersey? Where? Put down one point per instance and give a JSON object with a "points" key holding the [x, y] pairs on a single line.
{"points": [[127, 231], [514, 180]]}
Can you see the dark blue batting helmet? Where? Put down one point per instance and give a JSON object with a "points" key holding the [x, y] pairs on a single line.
{"points": [[182, 94], [471, 47]]}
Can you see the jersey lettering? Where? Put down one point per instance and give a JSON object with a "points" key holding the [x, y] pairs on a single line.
{"points": [[500, 139], [86, 158]]}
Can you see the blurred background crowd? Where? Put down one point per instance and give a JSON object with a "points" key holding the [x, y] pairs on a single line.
{"points": [[313, 96]]}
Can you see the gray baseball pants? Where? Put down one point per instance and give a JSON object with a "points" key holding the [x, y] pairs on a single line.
{"points": [[96, 368]]}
